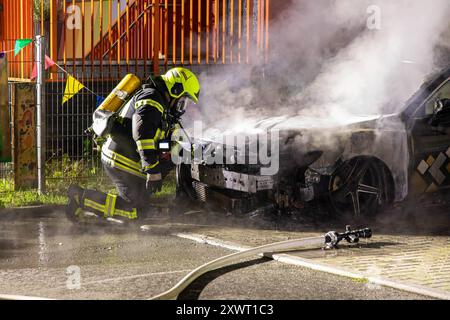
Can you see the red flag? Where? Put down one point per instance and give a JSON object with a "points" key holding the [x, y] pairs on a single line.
{"points": [[34, 73], [49, 62]]}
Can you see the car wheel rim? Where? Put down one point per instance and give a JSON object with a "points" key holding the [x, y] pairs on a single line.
{"points": [[359, 191]]}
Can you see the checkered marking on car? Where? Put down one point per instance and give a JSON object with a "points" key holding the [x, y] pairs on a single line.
{"points": [[423, 167], [435, 169], [430, 160], [438, 168]]}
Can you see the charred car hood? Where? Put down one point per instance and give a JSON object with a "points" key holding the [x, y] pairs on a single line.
{"points": [[321, 144], [302, 124], [317, 141], [308, 134]]}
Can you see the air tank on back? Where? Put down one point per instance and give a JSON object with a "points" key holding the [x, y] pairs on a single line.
{"points": [[113, 103]]}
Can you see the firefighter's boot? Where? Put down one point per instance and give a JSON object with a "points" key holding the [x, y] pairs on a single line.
{"points": [[74, 210]]}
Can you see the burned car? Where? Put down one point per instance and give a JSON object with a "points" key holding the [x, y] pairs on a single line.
{"points": [[355, 165]]}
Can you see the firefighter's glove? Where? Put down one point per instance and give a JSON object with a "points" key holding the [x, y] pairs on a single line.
{"points": [[154, 182]]}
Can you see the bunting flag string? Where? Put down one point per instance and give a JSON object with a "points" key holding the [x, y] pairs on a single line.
{"points": [[7, 51], [20, 44], [100, 100], [48, 64], [73, 86], [34, 72]]}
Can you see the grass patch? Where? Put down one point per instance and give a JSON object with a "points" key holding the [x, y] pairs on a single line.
{"points": [[169, 188], [9, 198], [17, 199], [60, 175]]}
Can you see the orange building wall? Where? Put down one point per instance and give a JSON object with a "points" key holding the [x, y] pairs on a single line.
{"points": [[197, 32], [17, 23]]}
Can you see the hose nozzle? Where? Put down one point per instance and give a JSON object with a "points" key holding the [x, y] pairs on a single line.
{"points": [[333, 238]]}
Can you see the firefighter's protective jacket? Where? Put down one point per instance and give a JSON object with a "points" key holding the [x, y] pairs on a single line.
{"points": [[133, 143]]}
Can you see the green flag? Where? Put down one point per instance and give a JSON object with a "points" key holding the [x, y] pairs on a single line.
{"points": [[20, 44]]}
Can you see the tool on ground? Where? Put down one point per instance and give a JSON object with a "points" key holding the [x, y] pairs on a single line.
{"points": [[329, 241]]}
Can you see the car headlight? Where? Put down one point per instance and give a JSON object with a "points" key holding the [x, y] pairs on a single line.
{"points": [[312, 176]]}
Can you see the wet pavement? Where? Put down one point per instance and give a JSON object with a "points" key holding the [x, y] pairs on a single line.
{"points": [[410, 246], [46, 256]]}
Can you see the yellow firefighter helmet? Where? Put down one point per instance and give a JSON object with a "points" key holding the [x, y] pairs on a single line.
{"points": [[182, 82]]}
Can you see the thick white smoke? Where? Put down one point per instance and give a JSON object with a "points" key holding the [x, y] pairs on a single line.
{"points": [[380, 69], [329, 58]]}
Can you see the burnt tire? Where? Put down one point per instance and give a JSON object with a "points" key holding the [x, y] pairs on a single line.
{"points": [[185, 189], [359, 189]]}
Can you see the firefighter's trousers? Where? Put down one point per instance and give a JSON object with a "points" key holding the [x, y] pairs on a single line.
{"points": [[132, 201]]}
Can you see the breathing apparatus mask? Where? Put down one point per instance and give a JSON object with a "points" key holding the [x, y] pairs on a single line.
{"points": [[180, 107]]}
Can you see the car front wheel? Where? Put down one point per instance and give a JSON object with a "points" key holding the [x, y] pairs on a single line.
{"points": [[358, 188]]}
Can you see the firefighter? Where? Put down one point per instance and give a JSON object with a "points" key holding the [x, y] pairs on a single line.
{"points": [[131, 156]]}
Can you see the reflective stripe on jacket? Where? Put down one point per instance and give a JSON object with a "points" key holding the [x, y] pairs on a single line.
{"points": [[133, 144]]}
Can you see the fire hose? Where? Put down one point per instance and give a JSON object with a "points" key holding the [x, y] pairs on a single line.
{"points": [[330, 240]]}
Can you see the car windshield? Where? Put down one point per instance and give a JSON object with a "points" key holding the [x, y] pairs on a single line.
{"points": [[431, 83]]}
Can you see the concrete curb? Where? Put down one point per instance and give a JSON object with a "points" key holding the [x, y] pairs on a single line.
{"points": [[41, 211], [302, 262]]}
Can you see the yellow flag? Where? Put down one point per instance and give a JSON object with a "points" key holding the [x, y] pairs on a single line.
{"points": [[73, 86]]}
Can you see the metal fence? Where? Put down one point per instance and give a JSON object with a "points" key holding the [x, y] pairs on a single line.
{"points": [[70, 156], [132, 34], [117, 37], [116, 34], [6, 168], [70, 152], [6, 171]]}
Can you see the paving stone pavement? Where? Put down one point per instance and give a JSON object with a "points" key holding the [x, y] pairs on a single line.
{"points": [[414, 260]]}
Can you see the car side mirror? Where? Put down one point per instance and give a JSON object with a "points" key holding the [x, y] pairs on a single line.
{"points": [[441, 113]]}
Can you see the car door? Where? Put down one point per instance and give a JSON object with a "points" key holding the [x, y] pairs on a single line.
{"points": [[430, 146]]}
